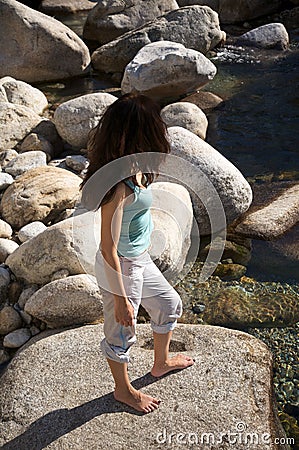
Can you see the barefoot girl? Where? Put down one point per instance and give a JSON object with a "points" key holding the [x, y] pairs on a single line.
{"points": [[131, 125]]}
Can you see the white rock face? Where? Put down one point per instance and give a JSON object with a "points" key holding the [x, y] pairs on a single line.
{"points": [[35, 47], [39, 194], [112, 18], [68, 301], [5, 229], [16, 122], [271, 35], [7, 246], [167, 69], [219, 182], [26, 161], [196, 27], [21, 93], [75, 118], [5, 180], [17, 338], [186, 115], [31, 230]]}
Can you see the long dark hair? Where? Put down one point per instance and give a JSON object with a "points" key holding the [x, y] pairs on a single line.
{"points": [[132, 124]]}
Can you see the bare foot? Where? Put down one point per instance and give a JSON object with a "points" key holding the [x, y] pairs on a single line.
{"points": [[179, 361], [136, 399]]}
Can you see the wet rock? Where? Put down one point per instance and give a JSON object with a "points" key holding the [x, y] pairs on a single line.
{"points": [[227, 183], [17, 338], [271, 35], [67, 301], [274, 219], [204, 100], [186, 115], [177, 26], [16, 122], [5, 229], [53, 7], [240, 254], [225, 361], [110, 19], [21, 93], [229, 271], [31, 230], [40, 194], [7, 246], [10, 320], [32, 44], [167, 70], [75, 118], [26, 161], [238, 307], [233, 11]]}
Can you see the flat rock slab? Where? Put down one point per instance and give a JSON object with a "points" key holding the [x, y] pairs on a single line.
{"points": [[57, 393]]}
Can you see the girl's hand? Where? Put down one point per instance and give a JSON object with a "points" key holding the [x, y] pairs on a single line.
{"points": [[124, 312]]}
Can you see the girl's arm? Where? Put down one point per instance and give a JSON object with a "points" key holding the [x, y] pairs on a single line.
{"points": [[111, 219]]}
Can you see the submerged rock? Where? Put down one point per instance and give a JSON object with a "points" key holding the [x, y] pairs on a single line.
{"points": [[35, 47], [110, 19], [167, 70], [196, 27], [241, 307]]}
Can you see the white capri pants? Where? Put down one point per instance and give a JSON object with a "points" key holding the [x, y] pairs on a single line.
{"points": [[144, 284]]}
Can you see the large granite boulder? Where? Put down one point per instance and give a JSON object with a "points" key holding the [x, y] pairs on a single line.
{"points": [[69, 301], [186, 115], [271, 220], [196, 27], [226, 395], [73, 243], [75, 118], [21, 93], [110, 19], [16, 121], [35, 47], [215, 177], [232, 11], [167, 69], [39, 194], [271, 35], [53, 7]]}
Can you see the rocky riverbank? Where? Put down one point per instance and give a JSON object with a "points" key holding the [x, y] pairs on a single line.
{"points": [[43, 283]]}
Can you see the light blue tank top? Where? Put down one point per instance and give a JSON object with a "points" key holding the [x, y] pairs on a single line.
{"points": [[137, 223]]}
